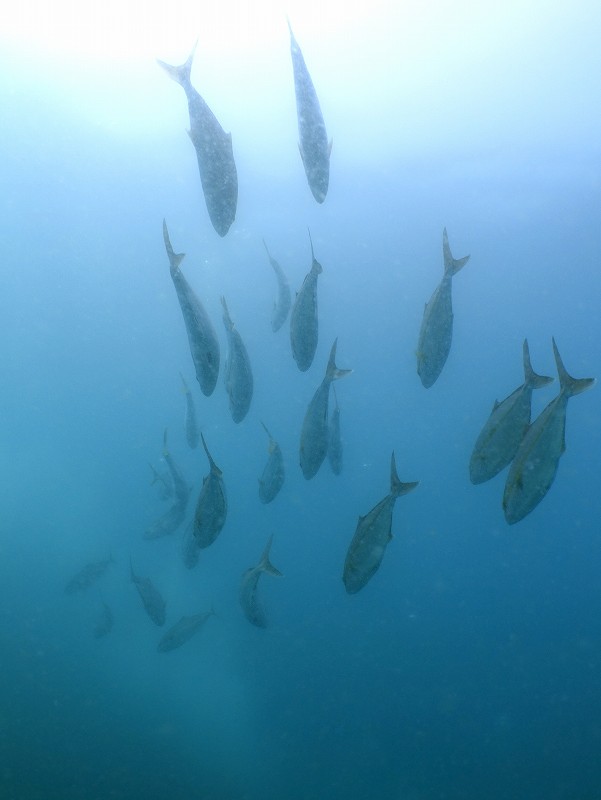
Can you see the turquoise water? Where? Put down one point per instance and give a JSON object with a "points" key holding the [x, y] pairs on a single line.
{"points": [[469, 665]]}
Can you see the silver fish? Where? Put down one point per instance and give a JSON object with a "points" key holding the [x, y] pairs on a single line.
{"points": [[436, 330], [204, 345], [152, 600], [303, 320], [281, 306], [173, 518], [535, 465], [190, 423], [249, 600], [105, 622], [183, 630], [214, 152], [272, 478], [238, 373], [88, 575], [372, 535], [334, 438], [500, 437], [211, 508], [314, 433], [313, 145]]}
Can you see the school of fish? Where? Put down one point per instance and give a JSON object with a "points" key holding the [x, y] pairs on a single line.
{"points": [[509, 438]]}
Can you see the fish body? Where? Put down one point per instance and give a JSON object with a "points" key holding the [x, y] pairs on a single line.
{"points": [[372, 535], [303, 319], [211, 508], [252, 606], [315, 432], [190, 548], [105, 622], [272, 477], [534, 467], [182, 631], [281, 306], [500, 437], [202, 338], [214, 153], [88, 575], [313, 140], [151, 598], [436, 333], [190, 422], [238, 373], [334, 439]]}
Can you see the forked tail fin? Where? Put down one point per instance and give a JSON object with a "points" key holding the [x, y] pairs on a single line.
{"points": [[531, 378], [570, 386], [451, 265], [397, 487]]}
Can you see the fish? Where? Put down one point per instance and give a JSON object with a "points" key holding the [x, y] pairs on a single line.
{"points": [[334, 439], [152, 600], [190, 423], [88, 575], [372, 535], [303, 319], [211, 508], [272, 478], [503, 431], [169, 522], [218, 174], [313, 143], [281, 306], [202, 338], [436, 332], [315, 434], [238, 372], [105, 623], [534, 467], [183, 630], [249, 599]]}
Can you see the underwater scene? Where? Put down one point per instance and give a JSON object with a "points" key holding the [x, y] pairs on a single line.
{"points": [[301, 443]]}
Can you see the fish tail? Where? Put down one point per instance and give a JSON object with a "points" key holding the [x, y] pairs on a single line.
{"points": [[570, 386], [213, 465], [332, 371], [397, 487], [531, 378], [265, 564], [175, 259], [266, 429], [451, 265], [315, 265], [181, 73], [227, 320]]}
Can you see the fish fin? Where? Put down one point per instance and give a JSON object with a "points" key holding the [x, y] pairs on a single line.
{"points": [[451, 265], [531, 379], [265, 428], [315, 265], [181, 73], [570, 386], [397, 487], [496, 405], [265, 564], [214, 467], [330, 147], [332, 371], [227, 320], [175, 259], [184, 384]]}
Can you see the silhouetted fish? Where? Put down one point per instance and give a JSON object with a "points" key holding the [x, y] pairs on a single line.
{"points": [[315, 433], [281, 306], [272, 478], [372, 535], [190, 423], [500, 437], [204, 345], [213, 150], [88, 575], [183, 630], [436, 331], [535, 465], [152, 600], [313, 145], [211, 508], [238, 374], [303, 320], [249, 600]]}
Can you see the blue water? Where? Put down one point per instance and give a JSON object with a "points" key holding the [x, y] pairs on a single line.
{"points": [[469, 666]]}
